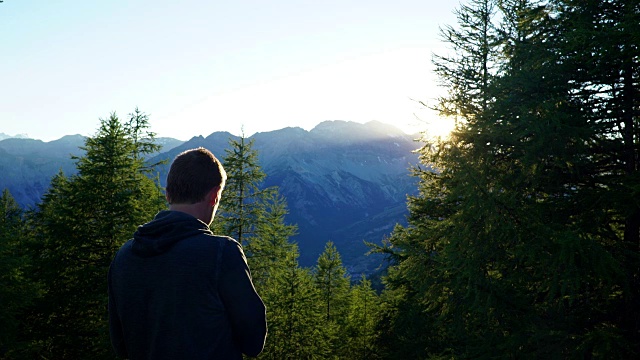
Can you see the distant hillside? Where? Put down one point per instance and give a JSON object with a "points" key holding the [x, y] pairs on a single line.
{"points": [[27, 165], [343, 181]]}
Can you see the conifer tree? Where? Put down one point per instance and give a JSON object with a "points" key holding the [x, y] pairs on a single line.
{"points": [[80, 223], [271, 245], [360, 333], [333, 282], [415, 321], [602, 49], [295, 315], [515, 244], [473, 60], [242, 202], [256, 217], [17, 290]]}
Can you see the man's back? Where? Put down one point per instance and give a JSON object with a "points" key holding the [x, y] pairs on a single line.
{"points": [[172, 291]]}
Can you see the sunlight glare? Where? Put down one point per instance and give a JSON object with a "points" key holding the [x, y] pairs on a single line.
{"points": [[431, 125]]}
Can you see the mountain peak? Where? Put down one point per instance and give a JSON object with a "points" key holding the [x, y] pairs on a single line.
{"points": [[384, 128], [371, 126], [335, 125], [350, 132], [70, 139], [17, 136], [289, 130]]}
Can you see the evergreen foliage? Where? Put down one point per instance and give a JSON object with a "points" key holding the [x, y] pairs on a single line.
{"points": [[294, 314], [270, 247], [77, 228], [331, 279], [358, 339], [17, 291], [242, 204], [521, 243], [333, 283]]}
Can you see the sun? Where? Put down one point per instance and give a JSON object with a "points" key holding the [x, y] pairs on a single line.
{"points": [[440, 127], [430, 125]]}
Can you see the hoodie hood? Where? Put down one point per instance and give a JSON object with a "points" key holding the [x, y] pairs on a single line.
{"points": [[166, 229]]}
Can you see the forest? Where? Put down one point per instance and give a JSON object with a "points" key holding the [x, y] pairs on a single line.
{"points": [[523, 240]]}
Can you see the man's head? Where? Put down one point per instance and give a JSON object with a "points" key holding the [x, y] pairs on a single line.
{"points": [[193, 175]]}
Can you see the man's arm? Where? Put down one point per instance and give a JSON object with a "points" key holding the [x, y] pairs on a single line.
{"points": [[115, 326], [245, 308]]}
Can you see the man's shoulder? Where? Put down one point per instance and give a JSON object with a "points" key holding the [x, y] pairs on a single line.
{"points": [[209, 236], [207, 240]]}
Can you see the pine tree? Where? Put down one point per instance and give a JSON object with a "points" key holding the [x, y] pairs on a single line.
{"points": [[418, 319], [80, 223], [603, 49], [331, 279], [242, 202], [333, 282], [474, 60], [360, 334], [256, 217], [515, 244], [17, 291], [271, 246], [295, 315]]}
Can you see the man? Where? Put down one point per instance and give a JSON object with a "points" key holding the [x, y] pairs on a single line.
{"points": [[176, 291]]}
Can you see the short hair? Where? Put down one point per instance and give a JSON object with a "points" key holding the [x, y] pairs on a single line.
{"points": [[192, 175]]}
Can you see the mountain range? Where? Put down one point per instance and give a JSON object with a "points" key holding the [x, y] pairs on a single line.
{"points": [[344, 181]]}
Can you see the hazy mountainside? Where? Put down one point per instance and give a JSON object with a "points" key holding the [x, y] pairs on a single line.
{"points": [[27, 165], [7, 136], [343, 181], [167, 144]]}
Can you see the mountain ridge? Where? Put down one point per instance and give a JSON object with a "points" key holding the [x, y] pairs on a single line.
{"points": [[343, 181]]}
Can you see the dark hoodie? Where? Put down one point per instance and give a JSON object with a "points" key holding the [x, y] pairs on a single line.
{"points": [[176, 291]]}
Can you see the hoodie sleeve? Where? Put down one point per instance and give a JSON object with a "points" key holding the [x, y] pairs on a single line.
{"points": [[246, 311], [115, 326]]}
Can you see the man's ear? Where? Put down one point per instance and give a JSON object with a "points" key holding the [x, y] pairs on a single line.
{"points": [[214, 196]]}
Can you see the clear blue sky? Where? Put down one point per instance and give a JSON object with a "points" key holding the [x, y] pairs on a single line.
{"points": [[202, 66]]}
